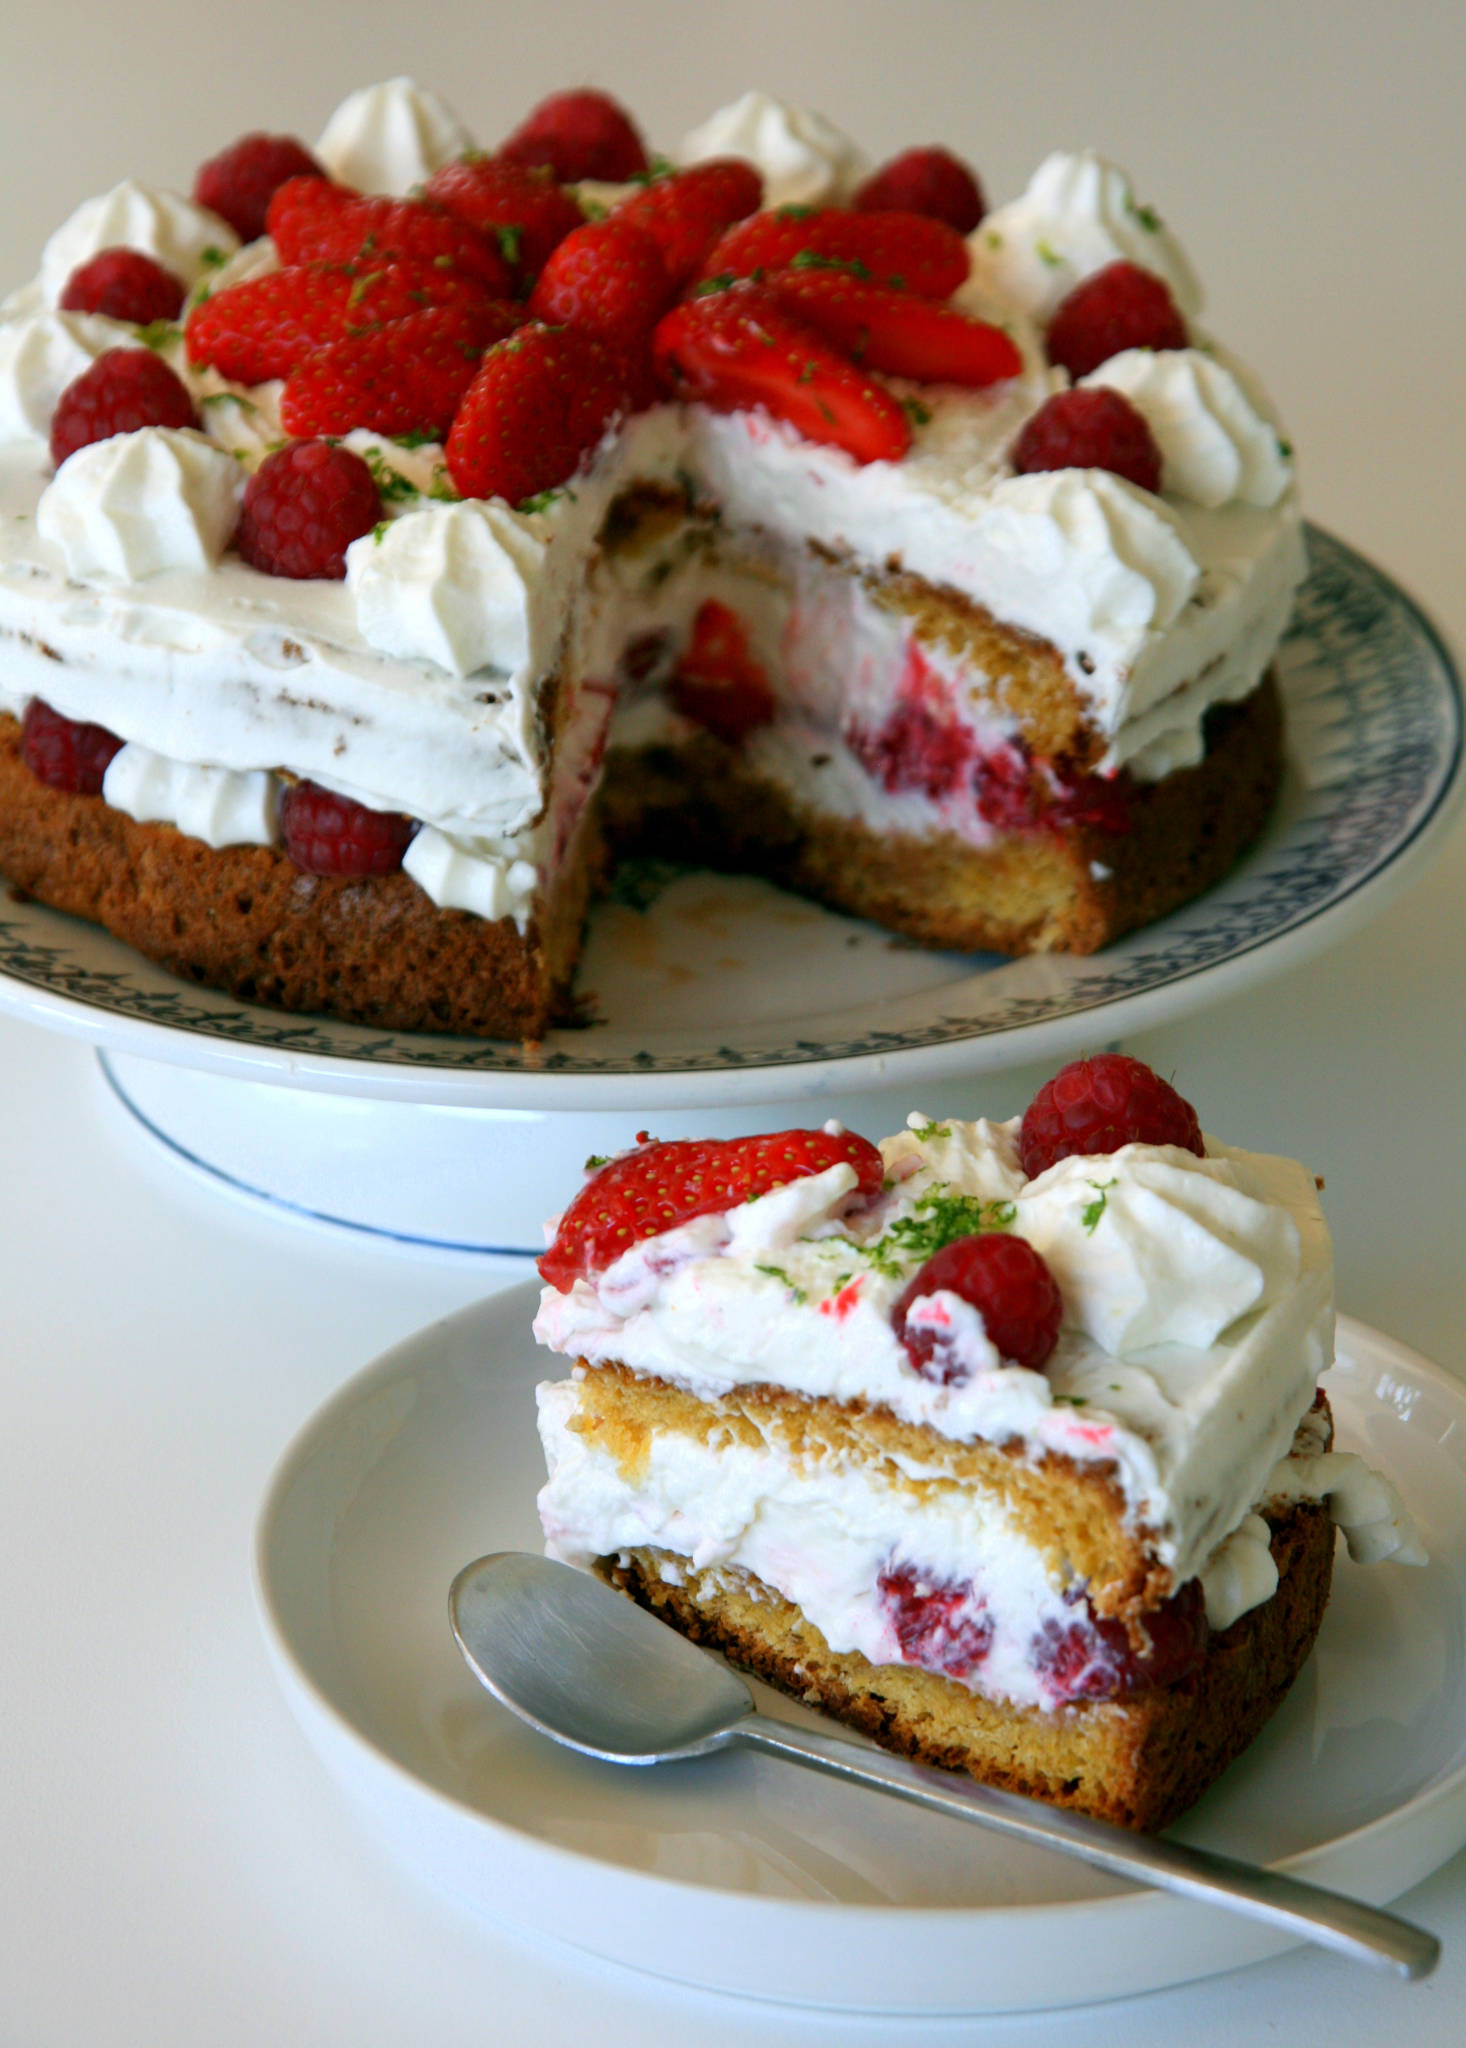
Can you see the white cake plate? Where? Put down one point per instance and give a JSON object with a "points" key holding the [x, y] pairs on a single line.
{"points": [[725, 1005], [741, 1874]]}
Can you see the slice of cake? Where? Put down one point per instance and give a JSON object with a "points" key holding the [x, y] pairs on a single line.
{"points": [[375, 568], [1002, 1442]]}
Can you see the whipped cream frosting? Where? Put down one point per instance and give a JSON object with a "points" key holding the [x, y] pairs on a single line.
{"points": [[1078, 214], [413, 688], [804, 159], [389, 137], [1198, 1311], [40, 354], [1216, 448], [220, 806], [132, 506], [184, 238]]}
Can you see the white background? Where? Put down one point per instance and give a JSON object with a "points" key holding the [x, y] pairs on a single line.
{"points": [[174, 1867]]}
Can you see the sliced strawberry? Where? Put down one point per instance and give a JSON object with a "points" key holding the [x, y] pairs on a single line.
{"points": [[658, 1186], [405, 378], [536, 409], [686, 212], [895, 332], [265, 326], [582, 134], [717, 681], [519, 207], [740, 348], [905, 251], [314, 221], [606, 279]]}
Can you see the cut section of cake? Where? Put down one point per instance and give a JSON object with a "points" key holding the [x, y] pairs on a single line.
{"points": [[1002, 1442], [823, 538]]}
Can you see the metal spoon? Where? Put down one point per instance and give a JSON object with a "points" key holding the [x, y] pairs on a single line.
{"points": [[582, 1664]]}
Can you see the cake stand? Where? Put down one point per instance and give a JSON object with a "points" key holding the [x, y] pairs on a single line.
{"points": [[722, 1005]]}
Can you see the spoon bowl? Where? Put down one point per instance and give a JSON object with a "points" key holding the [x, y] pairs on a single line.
{"points": [[574, 1659]]}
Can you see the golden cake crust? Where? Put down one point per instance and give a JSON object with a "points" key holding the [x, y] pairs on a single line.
{"points": [[1138, 1762], [247, 920]]}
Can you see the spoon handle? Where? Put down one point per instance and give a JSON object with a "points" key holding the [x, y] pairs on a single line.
{"points": [[1305, 1910]]}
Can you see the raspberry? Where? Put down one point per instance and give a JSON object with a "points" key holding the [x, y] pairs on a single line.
{"points": [[1121, 306], [1009, 1285], [1092, 1658], [519, 207], [239, 183], [539, 404], [1095, 1106], [941, 1624], [906, 252], [63, 752], [263, 327], [123, 284], [658, 1186], [915, 748], [1090, 430], [927, 181], [124, 389], [738, 349], [303, 507], [314, 221], [406, 377], [686, 212], [326, 834], [607, 279], [578, 135], [717, 681]]}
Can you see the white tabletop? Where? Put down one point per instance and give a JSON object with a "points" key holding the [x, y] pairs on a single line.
{"points": [[174, 1863]]}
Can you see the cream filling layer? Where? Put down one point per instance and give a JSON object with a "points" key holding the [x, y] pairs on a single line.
{"points": [[833, 1538]]}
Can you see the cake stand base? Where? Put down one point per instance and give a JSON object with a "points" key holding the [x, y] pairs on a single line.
{"points": [[475, 1181]]}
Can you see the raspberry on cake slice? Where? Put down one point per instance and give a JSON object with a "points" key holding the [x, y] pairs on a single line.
{"points": [[1001, 1442], [531, 506]]}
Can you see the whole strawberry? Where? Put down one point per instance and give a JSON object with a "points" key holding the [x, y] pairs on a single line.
{"points": [[577, 135], [313, 221], [739, 349], [687, 211], [518, 207], [239, 183], [265, 326], [1096, 1106], [407, 377], [608, 280], [536, 409], [658, 1186]]}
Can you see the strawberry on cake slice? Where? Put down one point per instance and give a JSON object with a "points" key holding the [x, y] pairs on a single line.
{"points": [[422, 527], [1001, 1442]]}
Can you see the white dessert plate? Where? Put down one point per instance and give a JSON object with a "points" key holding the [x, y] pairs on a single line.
{"points": [[716, 990], [744, 1875]]}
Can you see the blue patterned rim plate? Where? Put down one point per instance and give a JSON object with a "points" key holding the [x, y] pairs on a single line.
{"points": [[718, 990]]}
